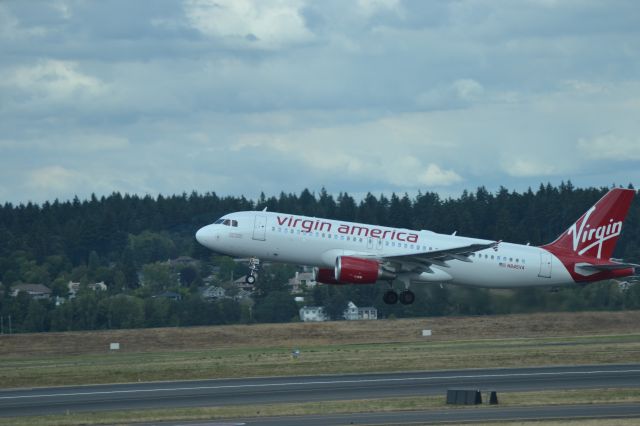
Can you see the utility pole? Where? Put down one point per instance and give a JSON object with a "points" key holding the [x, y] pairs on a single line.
{"points": [[10, 331]]}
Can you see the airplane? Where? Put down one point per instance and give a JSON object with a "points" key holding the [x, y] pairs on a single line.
{"points": [[355, 253]]}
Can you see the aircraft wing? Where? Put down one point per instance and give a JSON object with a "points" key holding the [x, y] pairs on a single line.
{"points": [[424, 260]]}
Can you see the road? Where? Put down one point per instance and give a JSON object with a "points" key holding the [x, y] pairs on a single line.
{"points": [[40, 401]]}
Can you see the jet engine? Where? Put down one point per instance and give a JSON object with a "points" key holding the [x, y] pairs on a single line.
{"points": [[325, 276], [355, 270]]}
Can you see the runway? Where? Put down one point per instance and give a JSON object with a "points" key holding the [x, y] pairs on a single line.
{"points": [[221, 392]]}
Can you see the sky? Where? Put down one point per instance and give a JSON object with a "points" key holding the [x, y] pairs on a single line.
{"points": [[242, 97]]}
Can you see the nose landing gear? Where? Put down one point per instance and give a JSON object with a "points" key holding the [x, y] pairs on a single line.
{"points": [[254, 265]]}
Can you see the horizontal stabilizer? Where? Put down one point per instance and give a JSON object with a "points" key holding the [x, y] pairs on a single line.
{"points": [[607, 266]]}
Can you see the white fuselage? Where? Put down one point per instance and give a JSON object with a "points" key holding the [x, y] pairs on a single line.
{"points": [[318, 242]]}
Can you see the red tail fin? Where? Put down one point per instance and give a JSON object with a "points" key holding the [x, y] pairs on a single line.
{"points": [[595, 234]]}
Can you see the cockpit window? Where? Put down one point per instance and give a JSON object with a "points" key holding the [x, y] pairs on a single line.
{"points": [[226, 222]]}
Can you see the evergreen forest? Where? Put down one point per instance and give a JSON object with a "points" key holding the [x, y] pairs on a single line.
{"points": [[126, 242]]}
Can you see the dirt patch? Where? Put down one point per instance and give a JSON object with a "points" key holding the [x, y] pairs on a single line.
{"points": [[309, 334]]}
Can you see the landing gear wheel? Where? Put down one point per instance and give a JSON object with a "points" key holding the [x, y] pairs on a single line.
{"points": [[407, 297], [390, 297], [254, 265]]}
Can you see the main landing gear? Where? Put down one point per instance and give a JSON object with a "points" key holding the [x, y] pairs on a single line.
{"points": [[254, 265], [406, 297]]}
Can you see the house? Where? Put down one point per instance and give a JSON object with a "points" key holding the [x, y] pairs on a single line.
{"points": [[75, 287], [301, 280], [353, 313], [312, 313], [171, 295], [36, 291], [181, 261], [625, 285], [213, 293], [209, 280], [242, 295]]}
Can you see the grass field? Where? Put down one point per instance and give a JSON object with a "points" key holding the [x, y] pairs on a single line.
{"points": [[337, 347], [445, 329]]}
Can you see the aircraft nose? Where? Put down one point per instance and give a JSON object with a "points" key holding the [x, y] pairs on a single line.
{"points": [[206, 235]]}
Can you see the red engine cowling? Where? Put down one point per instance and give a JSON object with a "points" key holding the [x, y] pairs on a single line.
{"points": [[355, 270], [326, 276]]}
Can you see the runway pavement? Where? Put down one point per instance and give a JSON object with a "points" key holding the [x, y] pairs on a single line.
{"points": [[484, 414], [176, 394]]}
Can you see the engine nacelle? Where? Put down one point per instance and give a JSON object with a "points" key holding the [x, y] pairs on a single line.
{"points": [[326, 276], [355, 270]]}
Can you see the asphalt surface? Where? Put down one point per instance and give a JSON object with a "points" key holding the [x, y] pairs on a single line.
{"points": [[484, 414], [60, 400]]}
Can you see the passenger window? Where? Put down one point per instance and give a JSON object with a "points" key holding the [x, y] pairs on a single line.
{"points": [[511, 259], [492, 257]]}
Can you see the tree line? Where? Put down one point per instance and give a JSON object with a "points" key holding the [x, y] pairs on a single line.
{"points": [[123, 240]]}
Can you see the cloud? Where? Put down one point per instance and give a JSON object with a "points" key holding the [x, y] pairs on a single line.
{"points": [[55, 79], [51, 178], [247, 96], [370, 8], [435, 176], [468, 89], [528, 167], [457, 94], [264, 24], [611, 147], [359, 153]]}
